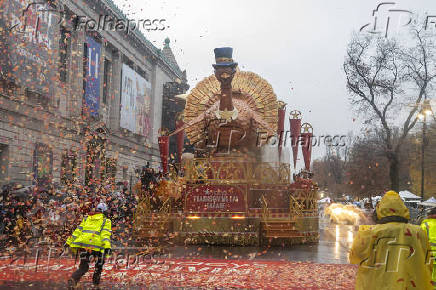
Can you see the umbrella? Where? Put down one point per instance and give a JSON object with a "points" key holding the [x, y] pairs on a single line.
{"points": [[405, 194], [431, 200]]}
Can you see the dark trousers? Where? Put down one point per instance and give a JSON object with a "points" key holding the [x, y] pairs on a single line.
{"points": [[85, 259]]}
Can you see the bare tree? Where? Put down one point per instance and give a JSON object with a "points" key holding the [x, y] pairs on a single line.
{"points": [[335, 163], [330, 170], [367, 169], [388, 82], [415, 156]]}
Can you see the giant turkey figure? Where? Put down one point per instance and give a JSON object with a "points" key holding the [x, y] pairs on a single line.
{"points": [[231, 109]]}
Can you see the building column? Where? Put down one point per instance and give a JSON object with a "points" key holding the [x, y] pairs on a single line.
{"points": [[155, 101], [76, 83], [115, 96], [103, 108]]}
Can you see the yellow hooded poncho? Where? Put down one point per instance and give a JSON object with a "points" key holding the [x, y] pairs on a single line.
{"points": [[392, 255]]}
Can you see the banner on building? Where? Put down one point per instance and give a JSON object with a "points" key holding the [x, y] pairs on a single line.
{"points": [[135, 102], [28, 42], [92, 86]]}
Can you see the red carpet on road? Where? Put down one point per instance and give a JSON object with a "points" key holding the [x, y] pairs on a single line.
{"points": [[190, 273]]}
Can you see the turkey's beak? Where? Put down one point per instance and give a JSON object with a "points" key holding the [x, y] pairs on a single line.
{"points": [[225, 75]]}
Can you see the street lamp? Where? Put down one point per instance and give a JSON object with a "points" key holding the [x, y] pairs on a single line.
{"points": [[425, 112]]}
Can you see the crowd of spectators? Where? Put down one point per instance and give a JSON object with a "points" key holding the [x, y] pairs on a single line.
{"points": [[29, 217]]}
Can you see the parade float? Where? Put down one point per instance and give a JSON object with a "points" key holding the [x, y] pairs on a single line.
{"points": [[236, 187]]}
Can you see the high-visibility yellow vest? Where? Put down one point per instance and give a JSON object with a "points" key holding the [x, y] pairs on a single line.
{"points": [[429, 226], [94, 233]]}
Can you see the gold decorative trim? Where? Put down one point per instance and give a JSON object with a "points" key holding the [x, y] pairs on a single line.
{"points": [[231, 171], [306, 128], [295, 114], [281, 105], [258, 92], [227, 115]]}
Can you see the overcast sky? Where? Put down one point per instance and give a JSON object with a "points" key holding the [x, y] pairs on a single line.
{"points": [[297, 46]]}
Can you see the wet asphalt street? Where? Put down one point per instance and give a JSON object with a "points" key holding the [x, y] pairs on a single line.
{"points": [[335, 242]]}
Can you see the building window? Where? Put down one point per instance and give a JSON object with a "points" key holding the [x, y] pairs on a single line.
{"points": [[37, 98], [85, 64], [107, 79], [111, 168], [8, 88], [4, 163], [42, 165], [125, 168], [95, 159], [142, 73], [64, 51], [68, 167]]}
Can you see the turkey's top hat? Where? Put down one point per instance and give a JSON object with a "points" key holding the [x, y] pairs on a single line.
{"points": [[223, 57]]}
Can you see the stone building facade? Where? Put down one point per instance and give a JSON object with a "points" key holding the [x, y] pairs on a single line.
{"points": [[78, 105]]}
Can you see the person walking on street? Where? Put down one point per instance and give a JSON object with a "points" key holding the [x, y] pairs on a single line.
{"points": [[429, 226], [392, 254], [92, 238]]}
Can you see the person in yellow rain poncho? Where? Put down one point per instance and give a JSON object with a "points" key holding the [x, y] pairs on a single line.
{"points": [[429, 226], [392, 254], [93, 239]]}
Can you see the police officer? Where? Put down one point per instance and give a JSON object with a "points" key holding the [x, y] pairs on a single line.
{"points": [[429, 226], [92, 238]]}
